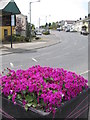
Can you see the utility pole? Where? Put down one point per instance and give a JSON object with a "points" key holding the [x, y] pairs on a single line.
{"points": [[30, 17], [39, 24], [30, 21]]}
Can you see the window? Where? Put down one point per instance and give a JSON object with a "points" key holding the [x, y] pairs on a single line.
{"points": [[5, 32], [6, 20]]}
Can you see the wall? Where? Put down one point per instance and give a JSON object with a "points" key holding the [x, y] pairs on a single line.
{"points": [[21, 22], [8, 28]]}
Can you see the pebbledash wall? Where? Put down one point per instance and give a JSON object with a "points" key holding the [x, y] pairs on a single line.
{"points": [[21, 22]]}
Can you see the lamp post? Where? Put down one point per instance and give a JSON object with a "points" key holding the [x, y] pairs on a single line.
{"points": [[30, 16], [46, 17], [39, 23]]}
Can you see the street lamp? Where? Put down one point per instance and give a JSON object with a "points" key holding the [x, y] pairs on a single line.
{"points": [[39, 23], [30, 16], [46, 20]]}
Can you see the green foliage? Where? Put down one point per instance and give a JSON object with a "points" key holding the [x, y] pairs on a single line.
{"points": [[9, 97], [29, 104], [46, 32], [55, 91], [29, 98], [26, 107], [28, 29], [19, 97], [40, 92], [16, 39], [49, 24]]}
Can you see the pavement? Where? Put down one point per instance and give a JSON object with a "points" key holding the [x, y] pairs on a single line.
{"points": [[44, 41]]}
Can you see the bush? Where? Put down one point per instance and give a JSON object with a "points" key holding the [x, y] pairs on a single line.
{"points": [[37, 38], [27, 39], [47, 32], [16, 38]]}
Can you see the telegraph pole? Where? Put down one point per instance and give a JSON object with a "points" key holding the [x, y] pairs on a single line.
{"points": [[30, 17], [30, 21]]}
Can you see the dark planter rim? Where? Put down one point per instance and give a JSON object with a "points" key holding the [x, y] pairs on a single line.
{"points": [[41, 112]]}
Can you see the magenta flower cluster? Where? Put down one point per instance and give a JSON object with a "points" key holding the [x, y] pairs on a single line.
{"points": [[42, 87]]}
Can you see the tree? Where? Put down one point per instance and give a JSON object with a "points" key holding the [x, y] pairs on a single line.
{"points": [[33, 26], [46, 24], [49, 24], [28, 30], [54, 25]]}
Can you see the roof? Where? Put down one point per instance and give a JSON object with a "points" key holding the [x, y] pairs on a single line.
{"points": [[70, 21], [9, 6]]}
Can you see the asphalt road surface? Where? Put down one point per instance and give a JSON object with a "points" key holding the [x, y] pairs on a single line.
{"points": [[71, 54]]}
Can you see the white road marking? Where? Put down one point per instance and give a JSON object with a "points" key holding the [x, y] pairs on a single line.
{"points": [[34, 60], [85, 72], [11, 64], [81, 48]]}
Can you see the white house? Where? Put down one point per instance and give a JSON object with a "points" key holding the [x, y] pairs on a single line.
{"points": [[69, 23], [81, 23]]}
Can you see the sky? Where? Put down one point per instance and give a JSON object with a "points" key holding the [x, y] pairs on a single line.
{"points": [[53, 10]]}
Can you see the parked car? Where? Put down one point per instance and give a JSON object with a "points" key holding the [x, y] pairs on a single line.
{"points": [[72, 30], [38, 33], [84, 32], [58, 29], [67, 30]]}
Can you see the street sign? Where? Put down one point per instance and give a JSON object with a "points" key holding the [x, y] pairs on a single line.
{"points": [[12, 20]]}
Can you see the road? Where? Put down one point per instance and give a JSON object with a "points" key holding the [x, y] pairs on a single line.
{"points": [[71, 54]]}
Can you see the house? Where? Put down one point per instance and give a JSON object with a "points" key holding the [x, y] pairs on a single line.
{"points": [[69, 23], [21, 24], [82, 23], [78, 25], [66, 24], [61, 24], [8, 11]]}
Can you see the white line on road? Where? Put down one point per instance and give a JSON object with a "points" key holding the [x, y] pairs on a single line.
{"points": [[81, 48], [85, 72], [11, 64], [34, 60]]}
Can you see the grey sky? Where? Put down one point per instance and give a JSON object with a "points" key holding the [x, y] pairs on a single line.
{"points": [[54, 10]]}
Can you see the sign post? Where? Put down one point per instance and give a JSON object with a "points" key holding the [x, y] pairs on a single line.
{"points": [[12, 24]]}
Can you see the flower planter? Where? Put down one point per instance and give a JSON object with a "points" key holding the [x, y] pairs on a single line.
{"points": [[44, 92], [75, 108]]}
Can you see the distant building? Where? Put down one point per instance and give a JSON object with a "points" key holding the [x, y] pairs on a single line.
{"points": [[61, 24], [79, 24], [21, 24], [69, 23], [66, 23], [8, 10]]}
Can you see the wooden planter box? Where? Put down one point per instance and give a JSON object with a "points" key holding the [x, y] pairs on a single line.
{"points": [[78, 107]]}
